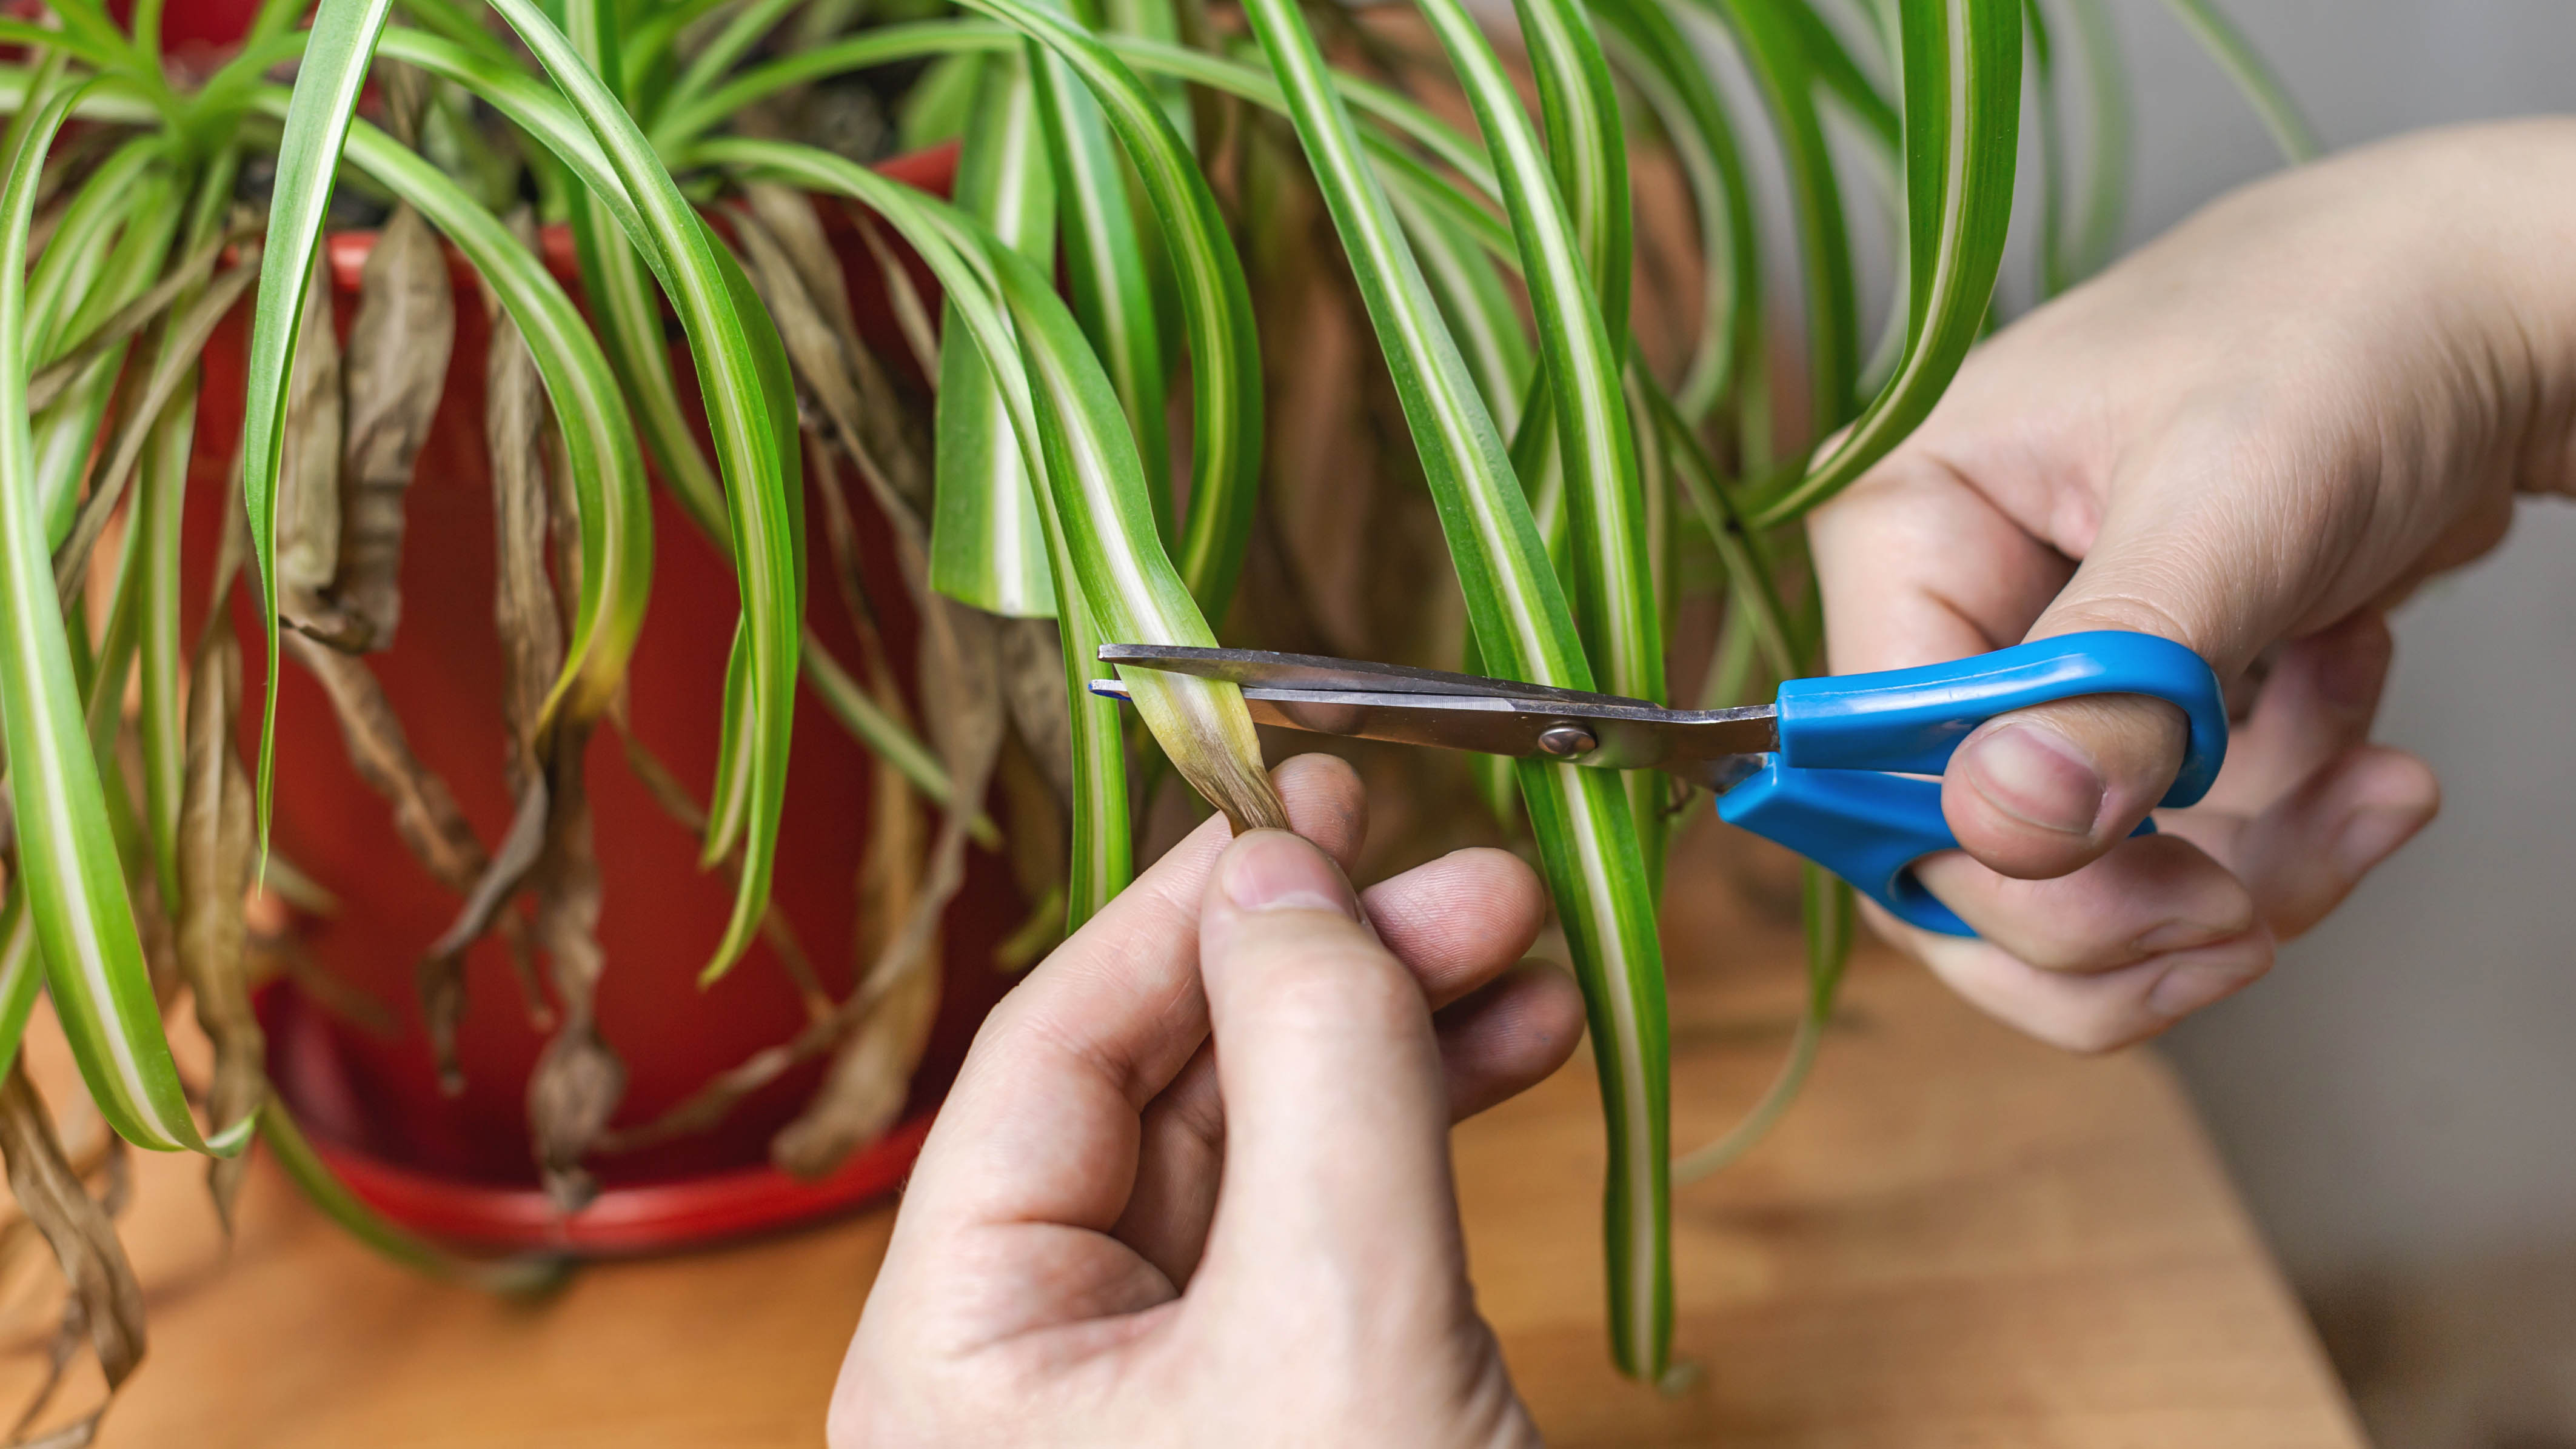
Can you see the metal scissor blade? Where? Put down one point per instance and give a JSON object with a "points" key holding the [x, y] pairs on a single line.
{"points": [[1316, 671], [1707, 747]]}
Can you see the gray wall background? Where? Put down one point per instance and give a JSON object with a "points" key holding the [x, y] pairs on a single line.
{"points": [[2401, 1092]]}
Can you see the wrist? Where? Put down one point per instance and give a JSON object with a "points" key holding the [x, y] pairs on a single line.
{"points": [[2496, 215]]}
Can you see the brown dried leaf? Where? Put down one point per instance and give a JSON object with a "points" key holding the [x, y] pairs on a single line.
{"points": [[1035, 816], [788, 215], [578, 1081], [968, 736], [425, 816], [425, 811], [871, 1075], [962, 708], [395, 371], [308, 480], [870, 1079], [911, 313], [1033, 689], [527, 618], [214, 878], [405, 90], [105, 1303], [845, 381], [888, 1016], [842, 532]]}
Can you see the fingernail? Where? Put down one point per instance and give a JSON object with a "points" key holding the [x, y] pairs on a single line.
{"points": [[2370, 836], [1272, 870], [2197, 982], [2039, 777]]}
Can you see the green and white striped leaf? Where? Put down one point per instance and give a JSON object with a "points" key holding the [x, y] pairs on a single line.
{"points": [[607, 471], [1105, 262], [1962, 129], [22, 972], [617, 283], [1613, 504], [742, 374], [1478, 307], [1216, 302], [1774, 49], [1066, 415], [1132, 591], [1524, 630], [153, 539], [65, 273], [987, 547], [317, 119], [72, 877], [2077, 239], [1655, 54]]}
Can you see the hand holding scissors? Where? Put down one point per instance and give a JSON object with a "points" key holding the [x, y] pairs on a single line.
{"points": [[1836, 769]]}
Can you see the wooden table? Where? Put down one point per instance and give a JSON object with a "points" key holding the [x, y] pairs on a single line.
{"points": [[1958, 1238]]}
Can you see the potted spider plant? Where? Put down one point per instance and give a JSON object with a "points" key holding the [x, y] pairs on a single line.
{"points": [[623, 317]]}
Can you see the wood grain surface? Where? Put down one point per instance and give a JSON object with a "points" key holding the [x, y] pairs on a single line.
{"points": [[1958, 1238]]}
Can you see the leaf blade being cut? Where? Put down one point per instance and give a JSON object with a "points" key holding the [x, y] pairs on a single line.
{"points": [[1524, 630]]}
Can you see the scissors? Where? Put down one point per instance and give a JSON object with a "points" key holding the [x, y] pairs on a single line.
{"points": [[1837, 769]]}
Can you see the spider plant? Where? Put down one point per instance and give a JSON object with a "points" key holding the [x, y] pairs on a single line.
{"points": [[1097, 455]]}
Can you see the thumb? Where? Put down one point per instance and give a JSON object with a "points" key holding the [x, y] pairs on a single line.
{"points": [[2042, 791], [1336, 1175]]}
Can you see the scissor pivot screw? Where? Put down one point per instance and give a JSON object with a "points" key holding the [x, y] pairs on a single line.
{"points": [[1565, 741]]}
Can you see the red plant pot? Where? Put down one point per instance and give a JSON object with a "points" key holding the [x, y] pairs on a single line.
{"points": [[459, 1167]]}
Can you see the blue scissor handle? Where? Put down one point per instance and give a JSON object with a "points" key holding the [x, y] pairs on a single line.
{"points": [[1910, 720], [1829, 793]]}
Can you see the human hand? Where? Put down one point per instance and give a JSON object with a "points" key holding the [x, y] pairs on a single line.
{"points": [[1119, 1236], [2254, 435]]}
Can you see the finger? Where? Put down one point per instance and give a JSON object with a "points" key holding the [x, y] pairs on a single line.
{"points": [[1508, 1037], [2305, 853], [1459, 920], [2044, 791], [1336, 1157], [1180, 1158], [1918, 567], [1041, 1124], [2150, 895], [2317, 703], [2085, 1012], [1457, 923], [1500, 1041]]}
